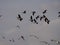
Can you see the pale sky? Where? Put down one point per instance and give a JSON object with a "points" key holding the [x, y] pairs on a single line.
{"points": [[8, 22]]}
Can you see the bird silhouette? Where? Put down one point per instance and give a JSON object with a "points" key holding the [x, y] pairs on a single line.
{"points": [[31, 18], [42, 17], [33, 12], [37, 17], [24, 12], [19, 17], [22, 37], [35, 21], [46, 20], [44, 11]]}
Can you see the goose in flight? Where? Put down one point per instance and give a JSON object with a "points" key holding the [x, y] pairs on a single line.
{"points": [[31, 18], [19, 17], [37, 17], [35, 21], [33, 12], [42, 17], [22, 37], [46, 20], [24, 12], [44, 11]]}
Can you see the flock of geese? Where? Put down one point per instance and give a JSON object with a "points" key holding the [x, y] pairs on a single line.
{"points": [[37, 17], [34, 21]]}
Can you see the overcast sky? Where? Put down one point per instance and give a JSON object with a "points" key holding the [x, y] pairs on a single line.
{"points": [[9, 9]]}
